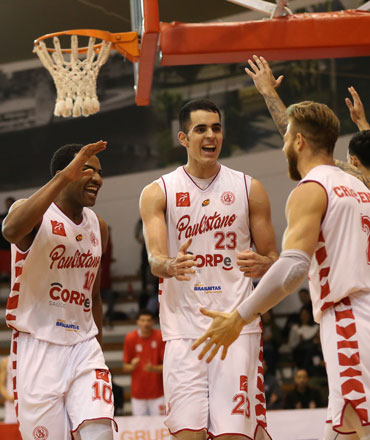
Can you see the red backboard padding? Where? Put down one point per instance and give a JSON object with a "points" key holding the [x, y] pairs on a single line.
{"points": [[298, 36]]}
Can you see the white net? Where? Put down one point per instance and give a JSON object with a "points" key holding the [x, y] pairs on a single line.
{"points": [[75, 79]]}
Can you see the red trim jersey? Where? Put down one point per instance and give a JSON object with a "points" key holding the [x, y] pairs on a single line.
{"points": [[217, 220], [340, 265], [51, 283], [145, 384]]}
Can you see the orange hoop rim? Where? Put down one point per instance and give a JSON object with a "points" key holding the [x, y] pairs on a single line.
{"points": [[114, 38]]}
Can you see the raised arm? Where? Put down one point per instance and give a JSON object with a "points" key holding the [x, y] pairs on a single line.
{"points": [[266, 84], [152, 210], [254, 264], [356, 110], [23, 220], [305, 209]]}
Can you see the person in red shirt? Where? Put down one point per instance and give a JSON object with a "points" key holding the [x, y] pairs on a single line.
{"points": [[143, 352]]}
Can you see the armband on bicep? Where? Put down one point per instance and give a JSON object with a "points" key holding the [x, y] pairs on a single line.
{"points": [[283, 277]]}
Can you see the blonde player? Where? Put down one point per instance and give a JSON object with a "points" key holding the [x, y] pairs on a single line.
{"points": [[199, 225], [62, 387], [327, 237]]}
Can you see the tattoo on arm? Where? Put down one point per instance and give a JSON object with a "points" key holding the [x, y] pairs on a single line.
{"points": [[354, 171], [277, 110]]}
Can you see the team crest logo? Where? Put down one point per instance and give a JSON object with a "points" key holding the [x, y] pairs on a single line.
{"points": [[183, 199], [40, 433], [206, 202], [58, 228], [94, 240], [244, 383], [79, 237], [103, 375], [228, 198]]}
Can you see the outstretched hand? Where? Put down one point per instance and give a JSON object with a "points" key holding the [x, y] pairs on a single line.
{"points": [[262, 75], [181, 267], [75, 169], [223, 331], [356, 110]]}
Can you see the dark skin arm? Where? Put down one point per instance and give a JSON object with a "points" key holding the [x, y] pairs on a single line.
{"points": [[97, 306]]}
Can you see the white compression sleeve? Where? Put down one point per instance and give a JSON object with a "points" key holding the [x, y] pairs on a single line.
{"points": [[283, 277]]}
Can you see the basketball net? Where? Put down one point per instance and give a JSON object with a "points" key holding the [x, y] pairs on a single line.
{"points": [[75, 79]]}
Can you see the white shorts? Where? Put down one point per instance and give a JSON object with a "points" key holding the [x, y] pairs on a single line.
{"points": [[58, 387], [345, 336], [223, 397], [148, 407]]}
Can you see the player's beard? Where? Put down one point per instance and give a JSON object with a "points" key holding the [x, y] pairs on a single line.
{"points": [[291, 155]]}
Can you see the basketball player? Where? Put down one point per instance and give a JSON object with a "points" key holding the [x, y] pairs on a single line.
{"points": [[199, 225], [266, 84], [327, 237], [60, 380]]}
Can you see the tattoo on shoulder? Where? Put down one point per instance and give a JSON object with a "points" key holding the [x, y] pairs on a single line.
{"points": [[354, 171]]}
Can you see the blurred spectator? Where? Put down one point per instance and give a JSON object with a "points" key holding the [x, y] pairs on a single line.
{"points": [[143, 352], [303, 395], [273, 391], [301, 335], [5, 245], [314, 362], [293, 318], [271, 340], [106, 281], [6, 390]]}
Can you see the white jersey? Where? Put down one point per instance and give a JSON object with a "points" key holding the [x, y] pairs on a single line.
{"points": [[52, 281], [217, 220], [341, 262]]}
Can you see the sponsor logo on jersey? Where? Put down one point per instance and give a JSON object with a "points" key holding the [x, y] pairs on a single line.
{"points": [[207, 223], [79, 237], [206, 202], [60, 295], [57, 228], [70, 327], [94, 239], [244, 383], [76, 261], [183, 199], [102, 375], [40, 433], [207, 289], [227, 198], [213, 260]]}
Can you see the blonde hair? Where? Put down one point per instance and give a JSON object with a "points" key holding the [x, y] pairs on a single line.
{"points": [[317, 122]]}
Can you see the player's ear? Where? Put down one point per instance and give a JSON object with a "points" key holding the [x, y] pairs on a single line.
{"points": [[182, 138], [354, 160], [300, 140]]}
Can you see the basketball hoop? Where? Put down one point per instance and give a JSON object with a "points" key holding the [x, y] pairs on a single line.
{"points": [[75, 76]]}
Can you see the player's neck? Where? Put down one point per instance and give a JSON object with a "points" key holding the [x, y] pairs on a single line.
{"points": [[306, 166], [202, 172], [70, 209]]}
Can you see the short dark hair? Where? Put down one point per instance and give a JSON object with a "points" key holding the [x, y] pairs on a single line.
{"points": [[145, 312], [359, 146], [63, 156], [317, 122], [192, 106]]}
